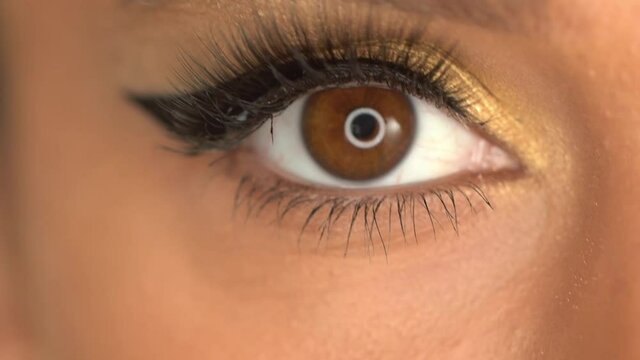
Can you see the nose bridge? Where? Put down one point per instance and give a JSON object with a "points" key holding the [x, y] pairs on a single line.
{"points": [[615, 214], [617, 210], [601, 46]]}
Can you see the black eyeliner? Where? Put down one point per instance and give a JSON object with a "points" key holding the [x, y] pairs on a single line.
{"points": [[236, 91], [224, 98]]}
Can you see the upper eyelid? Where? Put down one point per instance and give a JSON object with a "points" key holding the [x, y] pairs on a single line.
{"points": [[431, 81], [266, 38], [274, 45]]}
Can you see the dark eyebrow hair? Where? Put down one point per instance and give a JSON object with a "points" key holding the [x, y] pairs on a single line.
{"points": [[507, 15]]}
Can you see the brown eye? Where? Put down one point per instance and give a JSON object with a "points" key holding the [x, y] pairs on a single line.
{"points": [[370, 137], [358, 133]]}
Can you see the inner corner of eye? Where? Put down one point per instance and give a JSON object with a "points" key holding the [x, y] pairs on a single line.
{"points": [[369, 137]]}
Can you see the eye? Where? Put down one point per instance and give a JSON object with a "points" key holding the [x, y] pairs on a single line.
{"points": [[372, 137], [328, 109]]}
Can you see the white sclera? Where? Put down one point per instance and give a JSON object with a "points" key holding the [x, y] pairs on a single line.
{"points": [[442, 147]]}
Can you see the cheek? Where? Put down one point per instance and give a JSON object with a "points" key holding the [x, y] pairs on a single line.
{"points": [[133, 252], [160, 259], [494, 278]]}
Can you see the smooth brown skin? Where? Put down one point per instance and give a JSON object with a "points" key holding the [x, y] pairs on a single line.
{"points": [[116, 249]]}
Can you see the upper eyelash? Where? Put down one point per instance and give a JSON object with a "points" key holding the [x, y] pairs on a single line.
{"points": [[262, 75]]}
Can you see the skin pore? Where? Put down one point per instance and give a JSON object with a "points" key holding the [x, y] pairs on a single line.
{"points": [[116, 248]]}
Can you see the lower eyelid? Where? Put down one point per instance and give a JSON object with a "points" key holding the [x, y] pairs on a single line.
{"points": [[335, 223], [331, 223]]}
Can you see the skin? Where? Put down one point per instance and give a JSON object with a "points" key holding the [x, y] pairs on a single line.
{"points": [[113, 248]]}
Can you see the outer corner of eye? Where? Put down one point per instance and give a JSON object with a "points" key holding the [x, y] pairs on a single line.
{"points": [[373, 137], [486, 157]]}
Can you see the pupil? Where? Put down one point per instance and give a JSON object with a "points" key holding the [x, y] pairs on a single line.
{"points": [[364, 127]]}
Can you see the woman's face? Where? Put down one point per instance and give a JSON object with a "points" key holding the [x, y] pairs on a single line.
{"points": [[201, 179]]}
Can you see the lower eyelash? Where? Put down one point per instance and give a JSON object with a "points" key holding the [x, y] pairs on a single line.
{"points": [[440, 206]]}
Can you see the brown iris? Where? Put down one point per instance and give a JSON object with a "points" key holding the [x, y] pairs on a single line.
{"points": [[358, 133]]}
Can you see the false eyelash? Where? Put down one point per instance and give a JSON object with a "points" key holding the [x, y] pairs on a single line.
{"points": [[326, 211], [252, 77], [266, 71]]}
